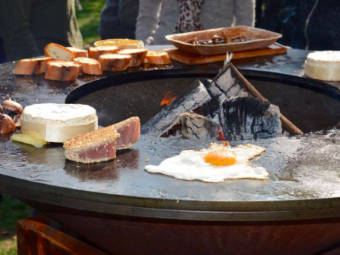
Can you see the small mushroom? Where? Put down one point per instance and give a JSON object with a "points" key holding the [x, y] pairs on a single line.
{"points": [[7, 124], [12, 106]]}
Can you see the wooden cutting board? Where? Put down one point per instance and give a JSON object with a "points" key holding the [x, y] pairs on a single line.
{"points": [[191, 59]]}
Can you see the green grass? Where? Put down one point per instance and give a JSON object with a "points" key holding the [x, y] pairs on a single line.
{"points": [[11, 210], [88, 19]]}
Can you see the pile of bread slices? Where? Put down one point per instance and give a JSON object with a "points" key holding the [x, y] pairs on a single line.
{"points": [[66, 63]]}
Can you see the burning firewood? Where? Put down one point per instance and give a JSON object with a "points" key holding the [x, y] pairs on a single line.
{"points": [[229, 101]]}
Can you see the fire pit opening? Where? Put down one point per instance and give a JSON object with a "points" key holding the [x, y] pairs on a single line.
{"points": [[311, 105]]}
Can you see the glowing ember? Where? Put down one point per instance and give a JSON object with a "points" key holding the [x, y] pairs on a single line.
{"points": [[168, 98]]}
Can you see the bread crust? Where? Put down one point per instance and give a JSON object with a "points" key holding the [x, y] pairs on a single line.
{"points": [[137, 55], [157, 58], [62, 70], [78, 52], [89, 65], [30, 66], [115, 62], [59, 52], [96, 52]]}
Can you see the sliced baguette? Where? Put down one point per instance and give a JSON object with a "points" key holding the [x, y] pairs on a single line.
{"points": [[115, 62], [158, 57], [62, 70], [95, 52], [138, 55], [31, 66], [78, 52], [59, 52], [89, 65]]}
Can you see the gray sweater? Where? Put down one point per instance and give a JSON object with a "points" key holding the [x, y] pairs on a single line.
{"points": [[157, 18]]}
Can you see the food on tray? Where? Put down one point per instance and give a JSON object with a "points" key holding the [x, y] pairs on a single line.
{"points": [[115, 62], [57, 51], [57, 122], [78, 52], [120, 43], [217, 163], [137, 55], [62, 70], [30, 66], [323, 65], [96, 146], [216, 39], [95, 52], [27, 139], [129, 131], [7, 124], [158, 57], [89, 65]]}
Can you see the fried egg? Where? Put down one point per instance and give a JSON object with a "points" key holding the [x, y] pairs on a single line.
{"points": [[217, 163]]}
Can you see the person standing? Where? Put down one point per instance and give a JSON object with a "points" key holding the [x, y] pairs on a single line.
{"points": [[118, 19], [157, 18], [26, 26]]}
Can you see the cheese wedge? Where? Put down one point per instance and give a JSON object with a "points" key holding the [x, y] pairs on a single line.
{"points": [[57, 51], [57, 122], [115, 62], [89, 65], [62, 70], [323, 65]]}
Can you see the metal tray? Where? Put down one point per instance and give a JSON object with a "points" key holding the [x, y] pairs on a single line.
{"points": [[261, 39]]}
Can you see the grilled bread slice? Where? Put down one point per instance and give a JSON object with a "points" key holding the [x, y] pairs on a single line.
{"points": [[115, 62], [137, 55], [95, 146], [89, 65], [78, 52], [62, 70], [158, 57], [57, 51], [31, 66], [95, 52]]}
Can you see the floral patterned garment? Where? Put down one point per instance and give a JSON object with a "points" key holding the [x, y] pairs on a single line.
{"points": [[189, 16]]}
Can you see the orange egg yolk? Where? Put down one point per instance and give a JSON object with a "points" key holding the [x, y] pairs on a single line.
{"points": [[220, 158]]}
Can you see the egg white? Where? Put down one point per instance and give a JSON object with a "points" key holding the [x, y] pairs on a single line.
{"points": [[190, 165]]}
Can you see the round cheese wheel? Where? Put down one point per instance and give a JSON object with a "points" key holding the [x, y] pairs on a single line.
{"points": [[323, 65], [58, 122]]}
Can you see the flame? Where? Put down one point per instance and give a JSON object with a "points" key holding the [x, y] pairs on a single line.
{"points": [[168, 98]]}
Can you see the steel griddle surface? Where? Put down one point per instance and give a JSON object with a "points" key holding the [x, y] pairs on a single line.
{"points": [[304, 172]]}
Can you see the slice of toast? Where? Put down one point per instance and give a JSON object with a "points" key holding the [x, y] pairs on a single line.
{"points": [[95, 146], [31, 66], [62, 70], [158, 57], [115, 62], [95, 52], [89, 65], [78, 52], [137, 55], [59, 52]]}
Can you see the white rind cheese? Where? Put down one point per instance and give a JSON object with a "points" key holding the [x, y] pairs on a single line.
{"points": [[58, 122], [323, 65]]}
